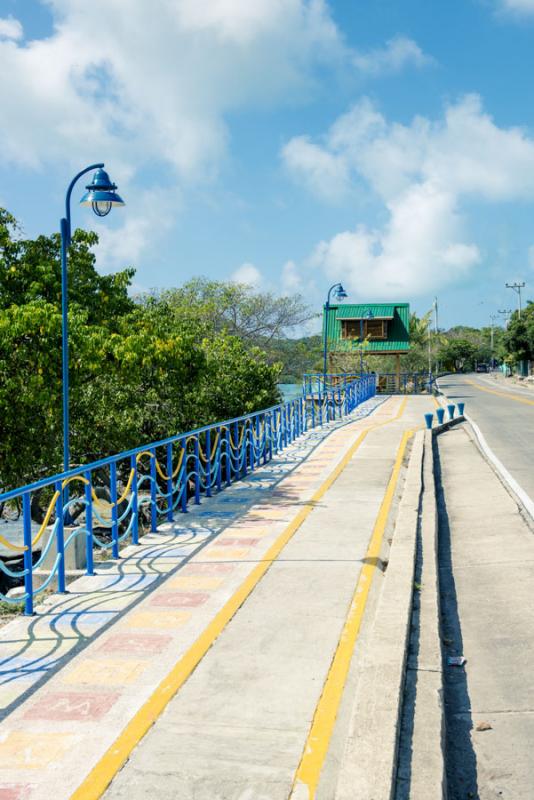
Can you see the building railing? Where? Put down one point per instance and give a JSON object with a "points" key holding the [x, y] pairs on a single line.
{"points": [[108, 496]]}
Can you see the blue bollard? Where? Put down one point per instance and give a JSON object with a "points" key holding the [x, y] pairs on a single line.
{"points": [[461, 407], [440, 414], [450, 409], [428, 420]]}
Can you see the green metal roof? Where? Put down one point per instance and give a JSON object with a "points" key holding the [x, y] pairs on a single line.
{"points": [[378, 310], [397, 314]]}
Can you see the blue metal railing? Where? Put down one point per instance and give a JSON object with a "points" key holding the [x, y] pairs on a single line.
{"points": [[319, 382], [164, 476]]}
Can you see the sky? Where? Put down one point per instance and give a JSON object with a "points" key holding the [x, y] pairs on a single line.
{"points": [[288, 144]]}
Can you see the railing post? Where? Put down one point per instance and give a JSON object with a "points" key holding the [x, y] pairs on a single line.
{"points": [[89, 561], [208, 463], [183, 476], [135, 501], [258, 448], [60, 539], [197, 471], [218, 456], [114, 509], [228, 443], [28, 555], [153, 493], [235, 452], [170, 515]]}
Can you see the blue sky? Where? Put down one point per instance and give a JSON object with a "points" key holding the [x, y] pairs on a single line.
{"points": [[388, 144]]}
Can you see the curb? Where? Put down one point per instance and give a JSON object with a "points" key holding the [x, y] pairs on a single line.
{"points": [[369, 761]]}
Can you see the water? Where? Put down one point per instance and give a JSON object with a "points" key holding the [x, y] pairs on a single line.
{"points": [[290, 390]]}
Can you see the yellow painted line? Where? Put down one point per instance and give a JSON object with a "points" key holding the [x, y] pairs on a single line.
{"points": [[97, 781], [508, 396], [316, 747], [436, 401]]}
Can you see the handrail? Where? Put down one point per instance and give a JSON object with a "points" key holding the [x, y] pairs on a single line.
{"points": [[194, 464]]}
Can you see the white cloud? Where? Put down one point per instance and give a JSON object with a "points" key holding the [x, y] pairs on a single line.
{"points": [[323, 172], [398, 53], [154, 87], [248, 274], [10, 28], [420, 173], [518, 6], [145, 220]]}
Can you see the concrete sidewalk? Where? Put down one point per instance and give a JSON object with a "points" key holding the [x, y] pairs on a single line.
{"points": [[486, 573], [75, 676]]}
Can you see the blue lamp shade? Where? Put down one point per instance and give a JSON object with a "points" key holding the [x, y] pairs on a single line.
{"points": [[101, 194], [341, 294]]}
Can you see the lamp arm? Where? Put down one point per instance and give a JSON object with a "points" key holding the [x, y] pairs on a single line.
{"points": [[69, 192], [330, 292]]}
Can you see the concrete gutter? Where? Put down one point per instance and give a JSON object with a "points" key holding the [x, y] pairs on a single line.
{"points": [[427, 778], [368, 765]]}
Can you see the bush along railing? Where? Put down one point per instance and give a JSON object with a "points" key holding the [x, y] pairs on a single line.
{"points": [[106, 502]]}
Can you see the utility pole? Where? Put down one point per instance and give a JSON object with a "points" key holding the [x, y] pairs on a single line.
{"points": [[517, 289], [436, 328], [507, 314], [493, 318]]}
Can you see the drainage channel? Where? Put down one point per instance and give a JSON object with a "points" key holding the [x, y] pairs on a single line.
{"points": [[460, 757]]}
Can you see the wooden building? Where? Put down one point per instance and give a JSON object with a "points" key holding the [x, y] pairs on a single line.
{"points": [[381, 329]]}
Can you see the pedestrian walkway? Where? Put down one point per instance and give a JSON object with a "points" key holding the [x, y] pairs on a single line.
{"points": [[239, 605], [486, 575]]}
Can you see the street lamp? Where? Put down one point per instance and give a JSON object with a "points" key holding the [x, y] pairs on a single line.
{"points": [[101, 196], [366, 315], [339, 294]]}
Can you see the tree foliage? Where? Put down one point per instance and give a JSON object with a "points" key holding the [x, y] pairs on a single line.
{"points": [[519, 335], [139, 371], [254, 317]]}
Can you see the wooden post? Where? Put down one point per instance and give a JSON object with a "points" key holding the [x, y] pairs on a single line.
{"points": [[398, 381]]}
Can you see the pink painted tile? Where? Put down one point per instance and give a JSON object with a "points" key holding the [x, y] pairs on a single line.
{"points": [[179, 599], [72, 706], [15, 791], [194, 568], [136, 644], [238, 541]]}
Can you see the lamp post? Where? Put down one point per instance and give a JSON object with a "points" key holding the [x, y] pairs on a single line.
{"points": [[366, 315], [101, 196], [339, 294]]}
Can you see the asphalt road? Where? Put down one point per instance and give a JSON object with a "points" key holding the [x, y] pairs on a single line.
{"points": [[505, 415]]}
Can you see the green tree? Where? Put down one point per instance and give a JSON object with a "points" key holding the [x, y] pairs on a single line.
{"points": [[458, 354], [30, 270], [519, 335]]}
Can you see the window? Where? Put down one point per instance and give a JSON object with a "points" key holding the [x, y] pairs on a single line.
{"points": [[350, 329], [372, 328], [376, 329]]}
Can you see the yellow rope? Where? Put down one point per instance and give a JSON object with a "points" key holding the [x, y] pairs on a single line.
{"points": [[46, 519], [10, 546], [213, 449], [158, 468]]}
